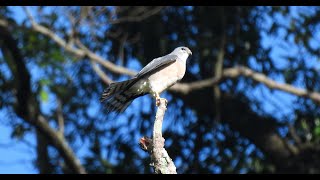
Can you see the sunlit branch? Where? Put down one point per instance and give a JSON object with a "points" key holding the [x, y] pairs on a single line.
{"points": [[184, 88], [235, 72], [76, 51], [100, 73], [160, 159], [61, 144]]}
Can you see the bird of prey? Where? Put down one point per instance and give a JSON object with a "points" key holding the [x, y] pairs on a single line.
{"points": [[157, 76]]}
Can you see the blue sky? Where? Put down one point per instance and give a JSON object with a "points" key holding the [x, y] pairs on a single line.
{"points": [[17, 156]]}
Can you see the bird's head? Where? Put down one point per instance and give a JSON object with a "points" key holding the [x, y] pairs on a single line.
{"points": [[182, 51]]}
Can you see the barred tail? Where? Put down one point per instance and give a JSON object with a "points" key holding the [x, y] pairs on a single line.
{"points": [[121, 101], [115, 88], [118, 96]]}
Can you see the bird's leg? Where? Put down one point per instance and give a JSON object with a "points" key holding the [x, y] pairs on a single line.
{"points": [[158, 98]]}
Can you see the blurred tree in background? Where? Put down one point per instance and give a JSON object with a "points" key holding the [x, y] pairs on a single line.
{"points": [[239, 109]]}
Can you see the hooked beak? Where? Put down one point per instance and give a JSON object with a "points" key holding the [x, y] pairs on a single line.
{"points": [[189, 51]]}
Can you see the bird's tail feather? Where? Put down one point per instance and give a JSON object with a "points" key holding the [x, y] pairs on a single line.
{"points": [[119, 102], [117, 96], [116, 88]]}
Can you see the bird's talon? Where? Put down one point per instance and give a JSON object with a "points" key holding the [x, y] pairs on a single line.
{"points": [[158, 102], [166, 101]]}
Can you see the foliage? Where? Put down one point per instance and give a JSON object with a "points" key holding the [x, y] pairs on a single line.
{"points": [[196, 141]]}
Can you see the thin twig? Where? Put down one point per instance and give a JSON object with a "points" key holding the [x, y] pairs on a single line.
{"points": [[60, 117], [100, 73], [122, 43]]}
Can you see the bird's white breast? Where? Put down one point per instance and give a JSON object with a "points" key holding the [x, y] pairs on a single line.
{"points": [[166, 77]]}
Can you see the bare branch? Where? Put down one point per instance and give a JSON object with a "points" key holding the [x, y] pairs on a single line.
{"points": [[259, 77], [60, 117], [73, 32], [27, 107], [122, 42], [100, 73], [61, 144], [30, 17], [77, 52], [186, 88], [179, 87], [45, 31], [107, 64], [160, 159], [85, 11], [218, 67], [235, 72]]}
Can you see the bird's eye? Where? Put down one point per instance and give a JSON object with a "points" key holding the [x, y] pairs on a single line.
{"points": [[183, 49]]}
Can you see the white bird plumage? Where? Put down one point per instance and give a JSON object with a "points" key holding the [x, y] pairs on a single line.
{"points": [[157, 76]]}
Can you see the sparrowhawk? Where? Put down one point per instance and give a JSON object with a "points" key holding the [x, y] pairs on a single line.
{"points": [[158, 75]]}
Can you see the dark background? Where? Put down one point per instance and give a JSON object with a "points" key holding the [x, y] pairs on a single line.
{"points": [[265, 119]]}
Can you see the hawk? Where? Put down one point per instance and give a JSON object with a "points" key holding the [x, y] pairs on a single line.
{"points": [[157, 76]]}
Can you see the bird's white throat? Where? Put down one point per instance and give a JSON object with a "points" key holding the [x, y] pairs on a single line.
{"points": [[183, 57]]}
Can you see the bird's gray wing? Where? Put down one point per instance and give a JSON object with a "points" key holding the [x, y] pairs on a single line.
{"points": [[157, 64]]}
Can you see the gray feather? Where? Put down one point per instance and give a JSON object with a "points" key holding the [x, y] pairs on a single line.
{"points": [[118, 96], [119, 102], [157, 63], [116, 88]]}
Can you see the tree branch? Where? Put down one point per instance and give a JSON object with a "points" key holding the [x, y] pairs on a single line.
{"points": [[27, 105], [186, 88], [83, 51], [259, 77], [60, 117], [160, 159], [183, 88], [43, 158], [218, 66], [107, 64], [235, 72], [100, 73], [61, 144]]}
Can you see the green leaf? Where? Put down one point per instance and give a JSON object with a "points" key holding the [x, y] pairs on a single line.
{"points": [[45, 82], [44, 96], [317, 131], [304, 125]]}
